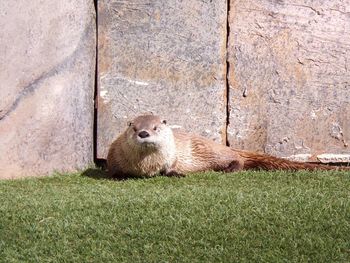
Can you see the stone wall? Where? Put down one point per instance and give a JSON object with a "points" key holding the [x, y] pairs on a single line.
{"points": [[47, 72], [262, 75], [289, 78], [287, 84], [168, 57]]}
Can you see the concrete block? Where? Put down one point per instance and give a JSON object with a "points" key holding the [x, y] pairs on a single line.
{"points": [[46, 86], [167, 57], [289, 77]]}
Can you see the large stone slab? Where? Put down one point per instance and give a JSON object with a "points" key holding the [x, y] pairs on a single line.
{"points": [[289, 77], [46, 86], [167, 57]]}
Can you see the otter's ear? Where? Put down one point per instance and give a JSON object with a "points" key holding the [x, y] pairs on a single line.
{"points": [[163, 121]]}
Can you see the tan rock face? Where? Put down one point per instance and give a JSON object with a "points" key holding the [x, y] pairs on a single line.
{"points": [[167, 57], [46, 90], [289, 81], [289, 77]]}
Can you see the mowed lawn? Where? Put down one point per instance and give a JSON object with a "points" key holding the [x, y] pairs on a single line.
{"points": [[211, 217]]}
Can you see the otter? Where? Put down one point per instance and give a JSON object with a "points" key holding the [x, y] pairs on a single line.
{"points": [[149, 147]]}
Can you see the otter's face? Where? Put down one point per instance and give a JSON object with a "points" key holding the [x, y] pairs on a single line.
{"points": [[148, 131]]}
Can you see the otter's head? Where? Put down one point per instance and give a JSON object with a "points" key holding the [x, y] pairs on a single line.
{"points": [[148, 132]]}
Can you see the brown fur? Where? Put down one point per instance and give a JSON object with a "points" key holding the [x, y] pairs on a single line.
{"points": [[171, 152]]}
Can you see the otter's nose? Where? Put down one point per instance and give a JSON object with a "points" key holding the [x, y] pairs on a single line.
{"points": [[143, 134]]}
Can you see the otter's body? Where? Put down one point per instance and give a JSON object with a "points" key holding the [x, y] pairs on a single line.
{"points": [[149, 147]]}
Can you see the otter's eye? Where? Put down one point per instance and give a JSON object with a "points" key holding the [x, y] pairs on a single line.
{"points": [[129, 123], [155, 128], [164, 121]]}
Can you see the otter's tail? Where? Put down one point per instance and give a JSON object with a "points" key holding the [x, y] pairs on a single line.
{"points": [[267, 162]]}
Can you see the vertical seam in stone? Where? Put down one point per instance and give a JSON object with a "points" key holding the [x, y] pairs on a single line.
{"points": [[95, 87], [227, 72]]}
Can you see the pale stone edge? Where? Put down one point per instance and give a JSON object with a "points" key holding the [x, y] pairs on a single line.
{"points": [[323, 158]]}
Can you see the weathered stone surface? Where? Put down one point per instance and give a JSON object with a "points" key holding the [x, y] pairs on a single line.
{"points": [[289, 77], [167, 57], [46, 86]]}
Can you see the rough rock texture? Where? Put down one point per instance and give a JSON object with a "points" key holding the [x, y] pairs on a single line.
{"points": [[168, 57], [289, 77], [46, 86]]}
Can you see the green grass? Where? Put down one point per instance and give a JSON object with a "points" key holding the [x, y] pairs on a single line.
{"points": [[212, 217]]}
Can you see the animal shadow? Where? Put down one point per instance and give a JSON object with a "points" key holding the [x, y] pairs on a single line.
{"points": [[97, 173], [102, 174]]}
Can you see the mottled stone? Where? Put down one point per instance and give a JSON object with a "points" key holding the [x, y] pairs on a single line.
{"points": [[334, 158], [289, 77], [168, 57], [46, 86]]}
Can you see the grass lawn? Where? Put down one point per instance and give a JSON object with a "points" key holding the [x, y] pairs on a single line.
{"points": [[211, 217]]}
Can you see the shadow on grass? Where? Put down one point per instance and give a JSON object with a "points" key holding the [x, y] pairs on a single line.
{"points": [[102, 174], [97, 173]]}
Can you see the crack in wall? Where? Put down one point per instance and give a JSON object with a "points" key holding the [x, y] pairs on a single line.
{"points": [[95, 88], [98, 162], [227, 73]]}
